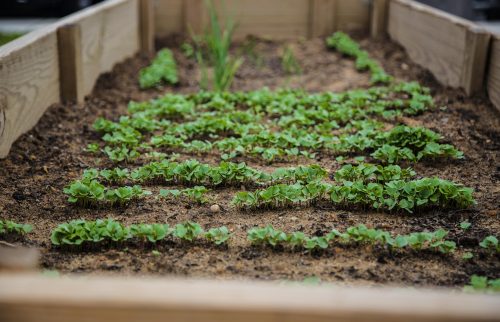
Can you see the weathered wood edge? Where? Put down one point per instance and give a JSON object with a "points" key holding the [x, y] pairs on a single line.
{"points": [[34, 297]]}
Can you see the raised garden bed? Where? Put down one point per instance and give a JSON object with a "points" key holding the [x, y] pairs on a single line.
{"points": [[268, 131]]}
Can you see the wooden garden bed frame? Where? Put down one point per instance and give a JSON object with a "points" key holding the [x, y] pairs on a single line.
{"points": [[62, 62]]}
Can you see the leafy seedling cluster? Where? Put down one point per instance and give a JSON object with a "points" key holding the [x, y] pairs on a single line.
{"points": [[11, 227], [162, 69], [359, 234], [79, 232]]}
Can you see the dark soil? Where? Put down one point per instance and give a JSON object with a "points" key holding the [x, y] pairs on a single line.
{"points": [[44, 160]]}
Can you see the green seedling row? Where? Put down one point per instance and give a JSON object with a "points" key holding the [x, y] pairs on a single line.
{"points": [[90, 192], [490, 243], [193, 172], [392, 195], [354, 234], [78, 232]]}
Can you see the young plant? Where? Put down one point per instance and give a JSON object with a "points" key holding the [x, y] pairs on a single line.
{"points": [[163, 69], [216, 42], [289, 63], [77, 232], [150, 232], [195, 194], [188, 231], [266, 235], [490, 243], [218, 235], [483, 284], [11, 227]]}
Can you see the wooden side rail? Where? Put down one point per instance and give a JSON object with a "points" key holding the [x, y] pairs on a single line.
{"points": [[26, 298]]}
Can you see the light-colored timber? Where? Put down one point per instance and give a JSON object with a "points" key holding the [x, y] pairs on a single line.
{"points": [[453, 49], [25, 298], [29, 83]]}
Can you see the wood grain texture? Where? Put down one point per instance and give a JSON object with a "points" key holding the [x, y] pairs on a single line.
{"points": [[35, 298], [29, 83], [453, 49], [147, 25], [493, 82], [70, 63], [109, 34]]}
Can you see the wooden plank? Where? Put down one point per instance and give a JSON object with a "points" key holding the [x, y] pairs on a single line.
{"points": [[194, 16], [29, 83], [352, 15], [475, 56], [453, 49], [169, 17], [109, 34], [70, 63], [493, 82], [147, 23], [278, 19], [14, 258], [35, 298], [321, 19], [378, 21]]}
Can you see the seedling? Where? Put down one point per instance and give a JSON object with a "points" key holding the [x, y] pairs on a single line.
{"points": [[218, 235], [490, 243], [483, 284], [464, 225], [216, 43], [188, 231], [289, 63], [11, 227], [150, 232], [163, 68]]}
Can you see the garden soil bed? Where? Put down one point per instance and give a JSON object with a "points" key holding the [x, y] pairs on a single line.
{"points": [[47, 158]]}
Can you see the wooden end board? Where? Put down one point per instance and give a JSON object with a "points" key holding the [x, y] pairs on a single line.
{"points": [[26, 298], [493, 80], [453, 49], [29, 83], [278, 19]]}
